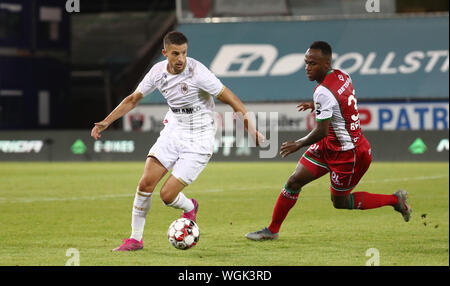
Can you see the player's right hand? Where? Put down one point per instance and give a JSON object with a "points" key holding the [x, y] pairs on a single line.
{"points": [[289, 148], [305, 106], [98, 128]]}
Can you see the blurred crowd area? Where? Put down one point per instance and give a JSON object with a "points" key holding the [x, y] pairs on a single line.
{"points": [[230, 8], [238, 8], [54, 63]]}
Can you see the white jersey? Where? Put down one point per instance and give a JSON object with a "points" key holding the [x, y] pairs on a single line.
{"points": [[188, 94]]}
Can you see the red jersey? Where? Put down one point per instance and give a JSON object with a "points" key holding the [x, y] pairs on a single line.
{"points": [[335, 100]]}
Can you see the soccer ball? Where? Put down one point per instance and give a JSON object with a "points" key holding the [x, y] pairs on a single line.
{"points": [[183, 233]]}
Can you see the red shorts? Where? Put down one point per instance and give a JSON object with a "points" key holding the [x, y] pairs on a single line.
{"points": [[346, 167]]}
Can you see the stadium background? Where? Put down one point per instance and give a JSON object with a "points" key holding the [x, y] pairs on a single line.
{"points": [[62, 70]]}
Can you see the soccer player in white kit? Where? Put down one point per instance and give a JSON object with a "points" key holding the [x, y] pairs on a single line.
{"points": [[186, 143]]}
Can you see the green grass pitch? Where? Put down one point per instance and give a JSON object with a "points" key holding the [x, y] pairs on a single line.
{"points": [[48, 208]]}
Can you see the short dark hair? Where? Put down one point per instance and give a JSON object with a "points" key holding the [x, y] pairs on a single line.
{"points": [[174, 37], [323, 46]]}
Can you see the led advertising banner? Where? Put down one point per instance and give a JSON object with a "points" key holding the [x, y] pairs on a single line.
{"points": [[397, 58], [230, 146]]}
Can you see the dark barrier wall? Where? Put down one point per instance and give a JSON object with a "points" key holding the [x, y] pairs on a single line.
{"points": [[32, 93], [34, 57], [133, 146]]}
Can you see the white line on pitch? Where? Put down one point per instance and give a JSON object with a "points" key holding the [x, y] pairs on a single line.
{"points": [[265, 187], [28, 200]]}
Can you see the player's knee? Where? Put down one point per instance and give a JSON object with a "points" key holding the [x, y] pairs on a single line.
{"points": [[293, 184], [145, 186], [339, 202]]}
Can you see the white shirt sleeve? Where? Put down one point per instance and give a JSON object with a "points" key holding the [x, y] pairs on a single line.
{"points": [[147, 85], [207, 81], [324, 101]]}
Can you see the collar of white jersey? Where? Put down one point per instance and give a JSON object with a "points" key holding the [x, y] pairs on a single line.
{"points": [[187, 68]]}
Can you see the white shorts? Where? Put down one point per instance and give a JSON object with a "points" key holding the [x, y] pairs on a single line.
{"points": [[186, 154]]}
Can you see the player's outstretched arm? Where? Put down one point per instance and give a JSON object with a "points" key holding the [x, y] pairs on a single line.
{"points": [[228, 97], [123, 108], [319, 132]]}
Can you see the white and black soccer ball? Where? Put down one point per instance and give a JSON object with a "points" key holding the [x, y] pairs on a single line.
{"points": [[183, 233]]}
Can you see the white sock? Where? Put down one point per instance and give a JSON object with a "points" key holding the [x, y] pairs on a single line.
{"points": [[141, 206], [181, 202]]}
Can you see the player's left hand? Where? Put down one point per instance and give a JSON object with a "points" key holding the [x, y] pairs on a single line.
{"points": [[289, 147]]}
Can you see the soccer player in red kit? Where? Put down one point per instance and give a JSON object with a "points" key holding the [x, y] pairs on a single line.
{"points": [[336, 146]]}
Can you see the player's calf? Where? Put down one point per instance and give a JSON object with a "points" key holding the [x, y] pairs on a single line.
{"points": [[362, 200]]}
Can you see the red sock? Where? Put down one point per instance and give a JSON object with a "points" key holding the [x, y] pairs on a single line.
{"points": [[365, 200], [286, 200]]}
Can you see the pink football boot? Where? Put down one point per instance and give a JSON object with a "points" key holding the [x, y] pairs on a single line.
{"points": [[130, 244], [192, 215]]}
